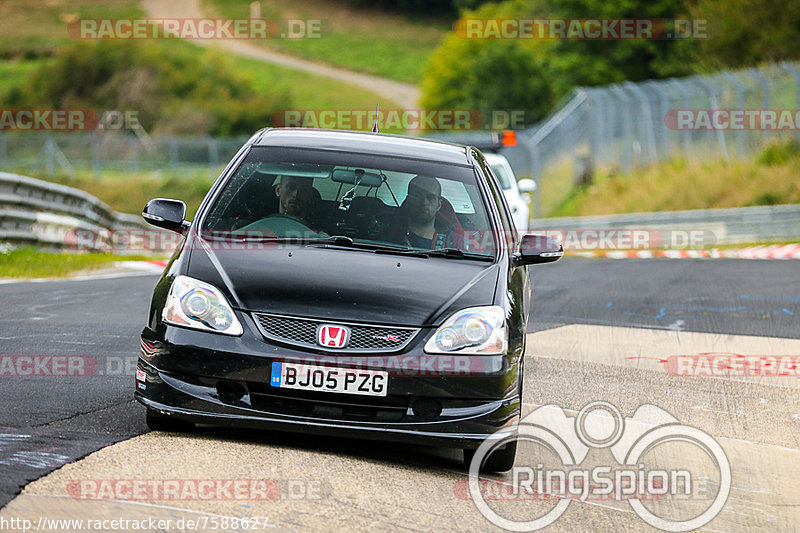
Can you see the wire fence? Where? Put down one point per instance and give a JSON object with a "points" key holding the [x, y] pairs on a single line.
{"points": [[618, 128], [46, 154]]}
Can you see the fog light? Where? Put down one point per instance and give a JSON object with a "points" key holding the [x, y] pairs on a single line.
{"points": [[426, 408], [230, 392]]}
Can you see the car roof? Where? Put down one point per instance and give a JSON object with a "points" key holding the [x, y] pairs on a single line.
{"points": [[492, 157], [365, 142]]}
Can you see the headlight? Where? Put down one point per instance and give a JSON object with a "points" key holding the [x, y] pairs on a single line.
{"points": [[477, 330], [194, 304]]}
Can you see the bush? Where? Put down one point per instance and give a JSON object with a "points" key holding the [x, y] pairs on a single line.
{"points": [[779, 153], [174, 87]]}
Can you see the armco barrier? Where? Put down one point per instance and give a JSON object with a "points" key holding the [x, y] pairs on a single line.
{"points": [[773, 223], [39, 212]]}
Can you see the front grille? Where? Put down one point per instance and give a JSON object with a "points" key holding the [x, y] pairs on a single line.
{"points": [[364, 338]]}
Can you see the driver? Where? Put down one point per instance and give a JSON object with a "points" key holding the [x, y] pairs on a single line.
{"points": [[294, 196], [296, 216]]}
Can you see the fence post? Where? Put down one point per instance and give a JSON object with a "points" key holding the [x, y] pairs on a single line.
{"points": [[765, 89], [3, 151], [686, 139], [94, 141], [740, 105], [627, 133], [652, 153], [537, 177], [49, 164], [596, 108], [173, 155], [712, 97], [133, 144], [659, 123], [796, 75], [213, 155]]}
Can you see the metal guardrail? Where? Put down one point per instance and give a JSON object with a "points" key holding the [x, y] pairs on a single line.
{"points": [[39, 212], [759, 224]]}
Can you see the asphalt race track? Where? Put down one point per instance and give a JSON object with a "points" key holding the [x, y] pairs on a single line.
{"points": [[601, 330]]}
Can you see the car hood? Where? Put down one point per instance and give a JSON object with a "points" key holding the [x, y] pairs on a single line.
{"points": [[345, 284]]}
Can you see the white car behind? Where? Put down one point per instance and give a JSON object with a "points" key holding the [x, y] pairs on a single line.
{"points": [[517, 193]]}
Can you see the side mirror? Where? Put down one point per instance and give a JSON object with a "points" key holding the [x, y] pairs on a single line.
{"points": [[526, 185], [167, 214], [538, 249]]}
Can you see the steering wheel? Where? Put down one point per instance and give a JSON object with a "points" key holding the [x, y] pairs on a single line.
{"points": [[289, 218], [283, 225]]}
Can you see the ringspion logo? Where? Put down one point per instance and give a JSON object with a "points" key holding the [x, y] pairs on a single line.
{"points": [[631, 441]]}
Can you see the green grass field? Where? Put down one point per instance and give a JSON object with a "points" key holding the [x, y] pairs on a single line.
{"points": [[367, 40], [39, 27], [312, 92], [28, 36]]}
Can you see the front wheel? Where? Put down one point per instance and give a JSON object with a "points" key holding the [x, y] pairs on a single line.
{"points": [[500, 460]]}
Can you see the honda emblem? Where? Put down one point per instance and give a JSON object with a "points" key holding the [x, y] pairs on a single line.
{"points": [[330, 336]]}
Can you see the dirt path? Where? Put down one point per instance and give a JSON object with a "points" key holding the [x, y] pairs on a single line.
{"points": [[403, 94]]}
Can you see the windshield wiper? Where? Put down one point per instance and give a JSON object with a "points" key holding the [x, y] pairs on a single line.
{"points": [[456, 253], [448, 253], [348, 242]]}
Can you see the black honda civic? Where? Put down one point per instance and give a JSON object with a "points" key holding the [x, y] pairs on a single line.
{"points": [[343, 283]]}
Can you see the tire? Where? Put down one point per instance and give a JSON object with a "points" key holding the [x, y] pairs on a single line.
{"points": [[159, 422], [501, 460]]}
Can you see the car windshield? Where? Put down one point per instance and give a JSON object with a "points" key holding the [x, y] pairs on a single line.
{"points": [[357, 200]]}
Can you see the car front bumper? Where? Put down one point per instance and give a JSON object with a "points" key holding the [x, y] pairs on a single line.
{"points": [[224, 381]]}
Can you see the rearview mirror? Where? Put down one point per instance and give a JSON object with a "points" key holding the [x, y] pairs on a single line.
{"points": [[166, 213], [526, 185], [538, 249], [367, 179]]}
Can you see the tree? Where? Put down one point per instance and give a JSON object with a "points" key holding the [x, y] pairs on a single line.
{"points": [[488, 74]]}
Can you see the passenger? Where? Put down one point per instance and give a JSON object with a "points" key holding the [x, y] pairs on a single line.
{"points": [[419, 223]]}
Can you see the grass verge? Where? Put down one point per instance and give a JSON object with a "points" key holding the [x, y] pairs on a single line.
{"points": [[129, 194], [390, 45], [770, 178], [29, 262]]}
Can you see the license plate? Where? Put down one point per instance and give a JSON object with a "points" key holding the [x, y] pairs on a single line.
{"points": [[329, 379]]}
